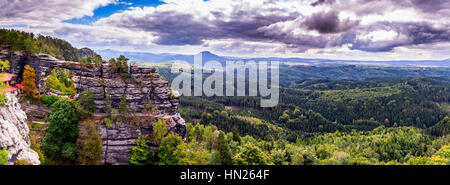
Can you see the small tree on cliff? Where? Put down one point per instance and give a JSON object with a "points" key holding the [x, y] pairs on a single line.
{"points": [[140, 154], [124, 108], [159, 131], [86, 102], [29, 82], [89, 145]]}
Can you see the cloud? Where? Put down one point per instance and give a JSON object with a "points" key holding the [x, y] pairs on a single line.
{"points": [[175, 26], [386, 36], [329, 22], [277, 27], [46, 11]]}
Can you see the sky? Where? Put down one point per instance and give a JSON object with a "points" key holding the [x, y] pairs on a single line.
{"points": [[334, 29]]}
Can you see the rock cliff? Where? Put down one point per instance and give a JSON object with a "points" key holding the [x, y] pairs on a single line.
{"points": [[141, 86], [14, 132]]}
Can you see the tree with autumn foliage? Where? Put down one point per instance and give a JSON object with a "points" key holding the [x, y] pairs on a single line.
{"points": [[29, 82]]}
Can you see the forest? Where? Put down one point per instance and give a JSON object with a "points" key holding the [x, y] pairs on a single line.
{"points": [[29, 43], [384, 120]]}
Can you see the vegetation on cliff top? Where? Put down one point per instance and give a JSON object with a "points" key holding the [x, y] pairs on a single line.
{"points": [[30, 43]]}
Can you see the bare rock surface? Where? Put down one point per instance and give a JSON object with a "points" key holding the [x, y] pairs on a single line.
{"points": [[14, 132]]}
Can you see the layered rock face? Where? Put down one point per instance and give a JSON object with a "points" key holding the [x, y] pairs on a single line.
{"points": [[120, 138], [141, 86], [14, 132], [118, 141]]}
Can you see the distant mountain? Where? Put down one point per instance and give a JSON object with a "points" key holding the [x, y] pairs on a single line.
{"points": [[144, 57]]}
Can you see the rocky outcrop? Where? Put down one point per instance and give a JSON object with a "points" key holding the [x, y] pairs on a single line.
{"points": [[143, 85], [86, 52], [118, 139], [14, 132]]}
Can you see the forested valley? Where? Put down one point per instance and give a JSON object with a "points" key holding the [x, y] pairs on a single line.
{"points": [[363, 120]]}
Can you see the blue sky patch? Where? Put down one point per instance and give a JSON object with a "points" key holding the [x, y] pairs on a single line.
{"points": [[13, 26], [110, 9]]}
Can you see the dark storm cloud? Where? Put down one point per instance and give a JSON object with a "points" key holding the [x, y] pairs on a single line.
{"points": [[328, 22], [174, 28]]}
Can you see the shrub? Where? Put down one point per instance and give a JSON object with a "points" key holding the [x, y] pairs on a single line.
{"points": [[3, 99], [60, 80], [4, 156], [49, 99], [107, 122], [159, 131], [37, 148]]}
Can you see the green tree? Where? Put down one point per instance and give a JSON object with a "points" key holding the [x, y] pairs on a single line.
{"points": [[89, 145], [98, 60], [222, 153], [159, 130], [69, 151], [61, 130], [168, 152], [140, 154], [60, 80], [124, 108], [250, 154]]}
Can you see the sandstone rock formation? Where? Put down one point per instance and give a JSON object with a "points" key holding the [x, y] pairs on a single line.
{"points": [[141, 86], [14, 132]]}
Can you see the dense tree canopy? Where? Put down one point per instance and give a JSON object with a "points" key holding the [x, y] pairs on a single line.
{"points": [[62, 130]]}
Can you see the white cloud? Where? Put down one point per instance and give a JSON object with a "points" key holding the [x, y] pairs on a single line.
{"points": [[46, 11]]}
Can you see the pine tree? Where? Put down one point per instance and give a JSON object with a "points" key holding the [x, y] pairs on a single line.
{"points": [[124, 108], [222, 155]]}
